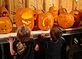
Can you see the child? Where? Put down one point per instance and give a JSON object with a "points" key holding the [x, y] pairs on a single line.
{"points": [[55, 43], [42, 46], [23, 46]]}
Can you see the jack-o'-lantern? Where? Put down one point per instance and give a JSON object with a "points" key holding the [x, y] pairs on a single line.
{"points": [[4, 12], [5, 25], [65, 20], [75, 13], [54, 10], [45, 21], [25, 16]]}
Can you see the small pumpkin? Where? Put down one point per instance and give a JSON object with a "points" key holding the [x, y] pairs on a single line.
{"points": [[25, 16], [54, 11], [45, 21], [76, 15], [4, 12], [66, 20], [5, 25]]}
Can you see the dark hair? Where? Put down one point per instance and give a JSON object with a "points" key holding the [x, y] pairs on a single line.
{"points": [[23, 34], [55, 33]]}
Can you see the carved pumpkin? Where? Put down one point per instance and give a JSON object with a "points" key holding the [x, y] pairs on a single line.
{"points": [[54, 11], [5, 25], [75, 13], [65, 20], [25, 16], [4, 12], [45, 21]]}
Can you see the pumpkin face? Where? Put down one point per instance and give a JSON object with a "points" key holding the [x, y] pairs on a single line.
{"points": [[75, 13], [54, 11], [5, 25], [65, 20], [4, 12], [25, 16], [45, 21]]}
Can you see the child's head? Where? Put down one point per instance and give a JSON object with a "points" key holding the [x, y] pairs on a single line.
{"points": [[55, 33], [23, 34]]}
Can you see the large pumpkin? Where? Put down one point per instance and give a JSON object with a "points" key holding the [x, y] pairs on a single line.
{"points": [[65, 20], [25, 16], [4, 12], [76, 15], [5, 25], [45, 21], [54, 11]]}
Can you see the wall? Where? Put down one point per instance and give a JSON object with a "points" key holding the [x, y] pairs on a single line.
{"points": [[12, 5]]}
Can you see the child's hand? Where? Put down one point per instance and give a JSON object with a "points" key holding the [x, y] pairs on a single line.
{"points": [[36, 47], [11, 40]]}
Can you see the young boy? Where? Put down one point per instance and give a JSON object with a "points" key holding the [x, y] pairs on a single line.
{"points": [[55, 43], [23, 47]]}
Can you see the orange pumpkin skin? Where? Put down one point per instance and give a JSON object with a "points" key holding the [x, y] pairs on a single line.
{"points": [[65, 20], [25, 16], [45, 21], [54, 11], [4, 12], [75, 13], [5, 25], [62, 11]]}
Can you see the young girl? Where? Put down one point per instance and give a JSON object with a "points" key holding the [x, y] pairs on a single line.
{"points": [[55, 43], [23, 47]]}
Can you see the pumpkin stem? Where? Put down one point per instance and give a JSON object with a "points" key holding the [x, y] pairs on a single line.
{"points": [[34, 7], [43, 11], [52, 5]]}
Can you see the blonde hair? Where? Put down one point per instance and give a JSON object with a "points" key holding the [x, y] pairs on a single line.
{"points": [[23, 34]]}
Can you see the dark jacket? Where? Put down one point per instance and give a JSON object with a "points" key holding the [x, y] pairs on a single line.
{"points": [[54, 49], [28, 53]]}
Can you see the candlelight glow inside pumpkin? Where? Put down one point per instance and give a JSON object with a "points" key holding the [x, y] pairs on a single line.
{"points": [[27, 15]]}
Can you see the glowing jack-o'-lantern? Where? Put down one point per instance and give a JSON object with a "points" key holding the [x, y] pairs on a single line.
{"points": [[5, 25], [66, 20], [25, 16], [45, 21]]}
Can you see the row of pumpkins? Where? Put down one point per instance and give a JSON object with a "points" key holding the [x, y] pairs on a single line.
{"points": [[38, 19]]}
